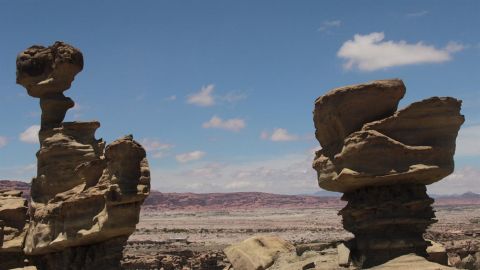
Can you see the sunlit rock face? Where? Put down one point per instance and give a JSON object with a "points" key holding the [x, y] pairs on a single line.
{"points": [[86, 196], [381, 158], [13, 224]]}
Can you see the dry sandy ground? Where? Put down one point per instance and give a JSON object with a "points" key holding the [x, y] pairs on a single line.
{"points": [[174, 232]]}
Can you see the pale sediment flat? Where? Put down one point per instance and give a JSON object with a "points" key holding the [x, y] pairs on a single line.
{"points": [[214, 230]]}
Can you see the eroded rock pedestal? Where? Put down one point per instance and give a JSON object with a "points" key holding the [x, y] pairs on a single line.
{"points": [[86, 197], [381, 159]]}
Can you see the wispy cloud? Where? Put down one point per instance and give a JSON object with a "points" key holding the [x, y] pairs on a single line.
{"points": [[234, 124], [171, 98], [467, 141], [371, 52], [211, 171], [22, 172], [232, 97], [156, 148], [77, 110], [462, 180], [279, 135], [204, 97], [3, 141], [327, 25], [140, 97], [417, 14], [288, 174], [190, 156], [30, 135]]}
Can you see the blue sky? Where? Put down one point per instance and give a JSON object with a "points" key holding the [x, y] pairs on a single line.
{"points": [[221, 92]]}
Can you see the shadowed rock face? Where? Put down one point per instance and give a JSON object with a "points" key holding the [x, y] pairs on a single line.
{"points": [[86, 197], [382, 159]]}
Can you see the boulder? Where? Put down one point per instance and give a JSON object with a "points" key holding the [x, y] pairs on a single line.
{"points": [[257, 253], [344, 110], [47, 71], [343, 255], [437, 253], [410, 261]]}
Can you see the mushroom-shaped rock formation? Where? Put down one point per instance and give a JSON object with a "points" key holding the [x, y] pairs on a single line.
{"points": [[13, 223], [86, 198], [381, 159]]}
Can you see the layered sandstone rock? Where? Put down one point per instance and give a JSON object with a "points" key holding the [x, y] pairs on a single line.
{"points": [[86, 197], [257, 253], [13, 223], [381, 159]]}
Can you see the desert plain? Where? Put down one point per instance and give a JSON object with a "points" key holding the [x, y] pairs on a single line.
{"points": [[194, 239]]}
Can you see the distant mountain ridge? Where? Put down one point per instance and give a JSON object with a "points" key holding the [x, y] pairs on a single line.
{"points": [[235, 200], [249, 200], [466, 195], [16, 185]]}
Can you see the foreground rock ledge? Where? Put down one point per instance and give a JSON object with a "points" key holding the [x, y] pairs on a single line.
{"points": [[381, 159], [86, 197], [13, 224]]}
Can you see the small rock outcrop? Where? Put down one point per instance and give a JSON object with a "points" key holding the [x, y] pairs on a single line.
{"points": [[86, 197], [13, 224], [382, 159], [257, 253]]}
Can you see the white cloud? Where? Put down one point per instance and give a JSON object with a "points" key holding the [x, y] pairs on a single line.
{"points": [[209, 171], [468, 141], [171, 98], [190, 156], [326, 25], [22, 172], [453, 47], [76, 107], [279, 135], [461, 181], [370, 52], [156, 148], [203, 98], [234, 124], [264, 135], [232, 97], [417, 14], [30, 135], [288, 174], [3, 141]]}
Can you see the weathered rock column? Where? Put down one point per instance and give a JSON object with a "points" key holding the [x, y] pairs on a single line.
{"points": [[388, 221], [382, 159], [86, 197]]}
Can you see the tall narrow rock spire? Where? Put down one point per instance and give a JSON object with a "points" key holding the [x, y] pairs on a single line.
{"points": [[86, 197]]}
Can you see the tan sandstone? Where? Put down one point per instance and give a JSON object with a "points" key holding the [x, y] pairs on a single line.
{"points": [[86, 197], [382, 159]]}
